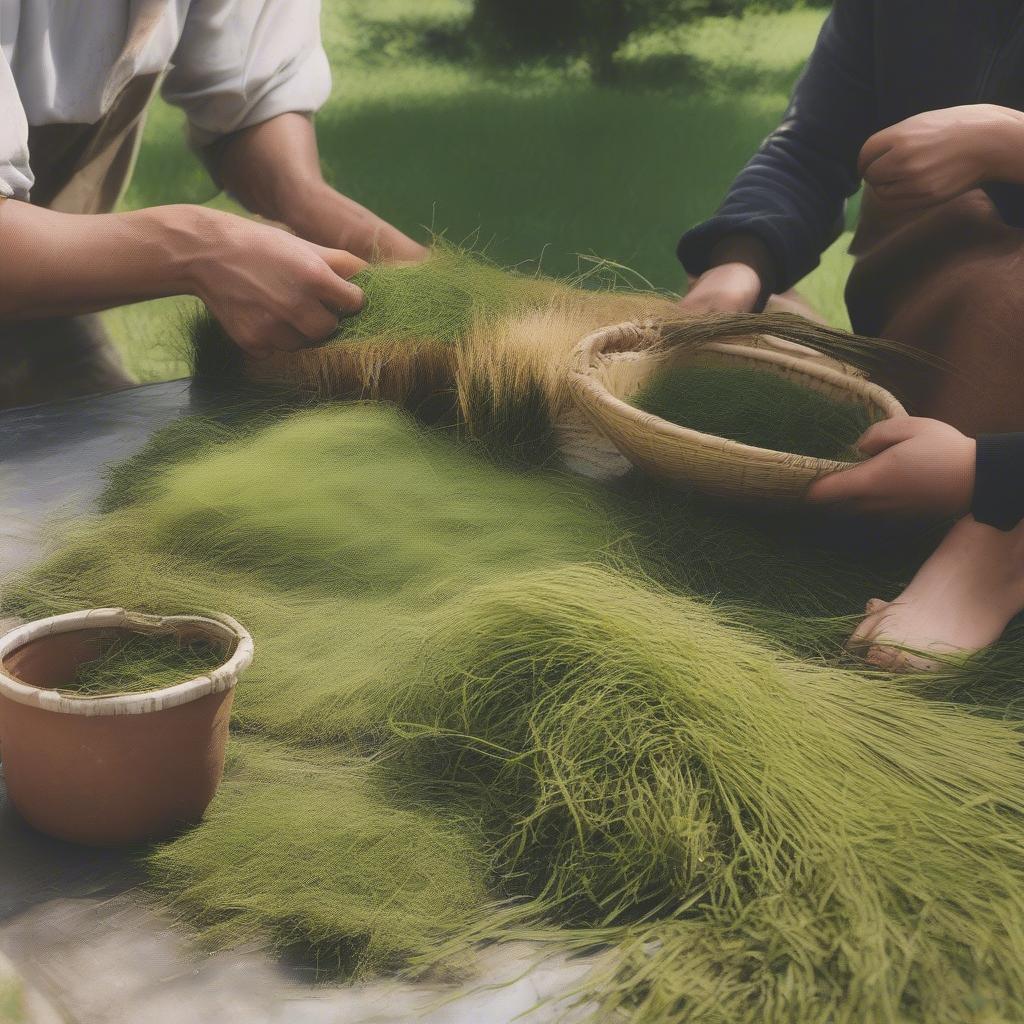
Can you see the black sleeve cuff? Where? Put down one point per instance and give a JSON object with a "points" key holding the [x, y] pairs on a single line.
{"points": [[999, 481], [697, 245]]}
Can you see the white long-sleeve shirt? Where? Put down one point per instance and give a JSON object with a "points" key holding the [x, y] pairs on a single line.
{"points": [[229, 64]]}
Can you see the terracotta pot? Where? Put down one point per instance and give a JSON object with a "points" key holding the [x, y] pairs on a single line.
{"points": [[121, 769]]}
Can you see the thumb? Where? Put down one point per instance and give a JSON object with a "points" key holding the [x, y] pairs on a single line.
{"points": [[885, 433], [342, 262], [846, 485], [876, 147]]}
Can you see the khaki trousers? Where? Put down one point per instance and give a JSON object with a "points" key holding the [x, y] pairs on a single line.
{"points": [[78, 169]]}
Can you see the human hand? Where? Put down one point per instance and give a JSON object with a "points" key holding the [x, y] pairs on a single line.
{"points": [[935, 156], [917, 467], [273, 169], [323, 215], [268, 289], [728, 288]]}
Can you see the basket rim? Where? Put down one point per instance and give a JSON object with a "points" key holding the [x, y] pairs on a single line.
{"points": [[590, 390], [222, 678]]}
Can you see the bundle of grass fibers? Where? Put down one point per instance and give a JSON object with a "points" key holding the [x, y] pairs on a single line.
{"points": [[454, 339], [755, 407], [494, 704]]}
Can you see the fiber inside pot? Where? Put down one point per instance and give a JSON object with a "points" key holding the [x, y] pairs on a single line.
{"points": [[106, 662], [755, 407]]}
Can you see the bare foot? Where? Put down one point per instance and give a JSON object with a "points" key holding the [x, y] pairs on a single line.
{"points": [[959, 602]]}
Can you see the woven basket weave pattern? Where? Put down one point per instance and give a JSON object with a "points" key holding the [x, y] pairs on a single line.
{"points": [[613, 363]]}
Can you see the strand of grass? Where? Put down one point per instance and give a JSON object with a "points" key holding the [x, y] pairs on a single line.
{"points": [[139, 663]]}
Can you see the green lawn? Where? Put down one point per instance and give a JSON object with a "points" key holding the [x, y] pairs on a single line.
{"points": [[535, 165]]}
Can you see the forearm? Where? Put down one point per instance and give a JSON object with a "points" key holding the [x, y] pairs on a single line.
{"points": [[56, 264], [273, 169], [791, 193], [790, 198]]}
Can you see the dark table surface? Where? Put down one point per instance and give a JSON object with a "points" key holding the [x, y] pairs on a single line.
{"points": [[52, 456]]}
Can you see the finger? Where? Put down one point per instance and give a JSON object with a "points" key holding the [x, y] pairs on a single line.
{"points": [[907, 193], [694, 302], [284, 337], [864, 635], [706, 300], [342, 262], [885, 433], [314, 321], [920, 196], [889, 172], [342, 297], [847, 485], [877, 146]]}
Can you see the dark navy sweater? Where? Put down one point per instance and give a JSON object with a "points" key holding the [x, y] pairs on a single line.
{"points": [[876, 62]]}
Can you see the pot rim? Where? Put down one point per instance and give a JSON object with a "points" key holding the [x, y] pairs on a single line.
{"points": [[218, 680]]}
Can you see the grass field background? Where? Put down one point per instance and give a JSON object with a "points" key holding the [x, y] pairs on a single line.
{"points": [[536, 166]]}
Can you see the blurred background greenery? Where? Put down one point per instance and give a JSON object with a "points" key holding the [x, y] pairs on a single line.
{"points": [[544, 143]]}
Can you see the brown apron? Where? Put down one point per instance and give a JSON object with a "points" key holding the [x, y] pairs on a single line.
{"points": [[949, 282], [80, 168]]}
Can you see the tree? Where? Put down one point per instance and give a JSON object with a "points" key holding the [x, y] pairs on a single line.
{"points": [[513, 30]]}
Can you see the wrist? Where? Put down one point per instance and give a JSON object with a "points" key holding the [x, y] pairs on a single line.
{"points": [[318, 213], [966, 470], [749, 251], [326, 217], [1002, 144], [187, 241]]}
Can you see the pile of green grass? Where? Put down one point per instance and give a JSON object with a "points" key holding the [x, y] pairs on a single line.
{"points": [[141, 662], [755, 407], [340, 870], [779, 840], [343, 514], [494, 704]]}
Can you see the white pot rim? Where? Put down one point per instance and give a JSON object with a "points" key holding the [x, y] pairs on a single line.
{"points": [[218, 680]]}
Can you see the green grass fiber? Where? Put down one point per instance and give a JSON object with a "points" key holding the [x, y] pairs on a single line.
{"points": [[339, 871], [139, 662], [12, 1000], [492, 704], [438, 300], [757, 408]]}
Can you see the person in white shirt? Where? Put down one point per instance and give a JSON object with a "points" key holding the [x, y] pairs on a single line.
{"points": [[75, 79]]}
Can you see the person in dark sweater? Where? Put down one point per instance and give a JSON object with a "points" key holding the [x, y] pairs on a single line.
{"points": [[921, 100]]}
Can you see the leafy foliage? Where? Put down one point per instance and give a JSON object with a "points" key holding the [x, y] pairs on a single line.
{"points": [[513, 30]]}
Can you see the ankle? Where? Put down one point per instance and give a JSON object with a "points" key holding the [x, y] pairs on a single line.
{"points": [[1001, 553]]}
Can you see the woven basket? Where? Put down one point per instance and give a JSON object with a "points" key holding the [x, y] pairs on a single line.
{"points": [[612, 365]]}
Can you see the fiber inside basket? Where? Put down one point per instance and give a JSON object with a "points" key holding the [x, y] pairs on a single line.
{"points": [[756, 407]]}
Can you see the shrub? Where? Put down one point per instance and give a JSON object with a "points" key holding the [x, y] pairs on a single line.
{"points": [[513, 30]]}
